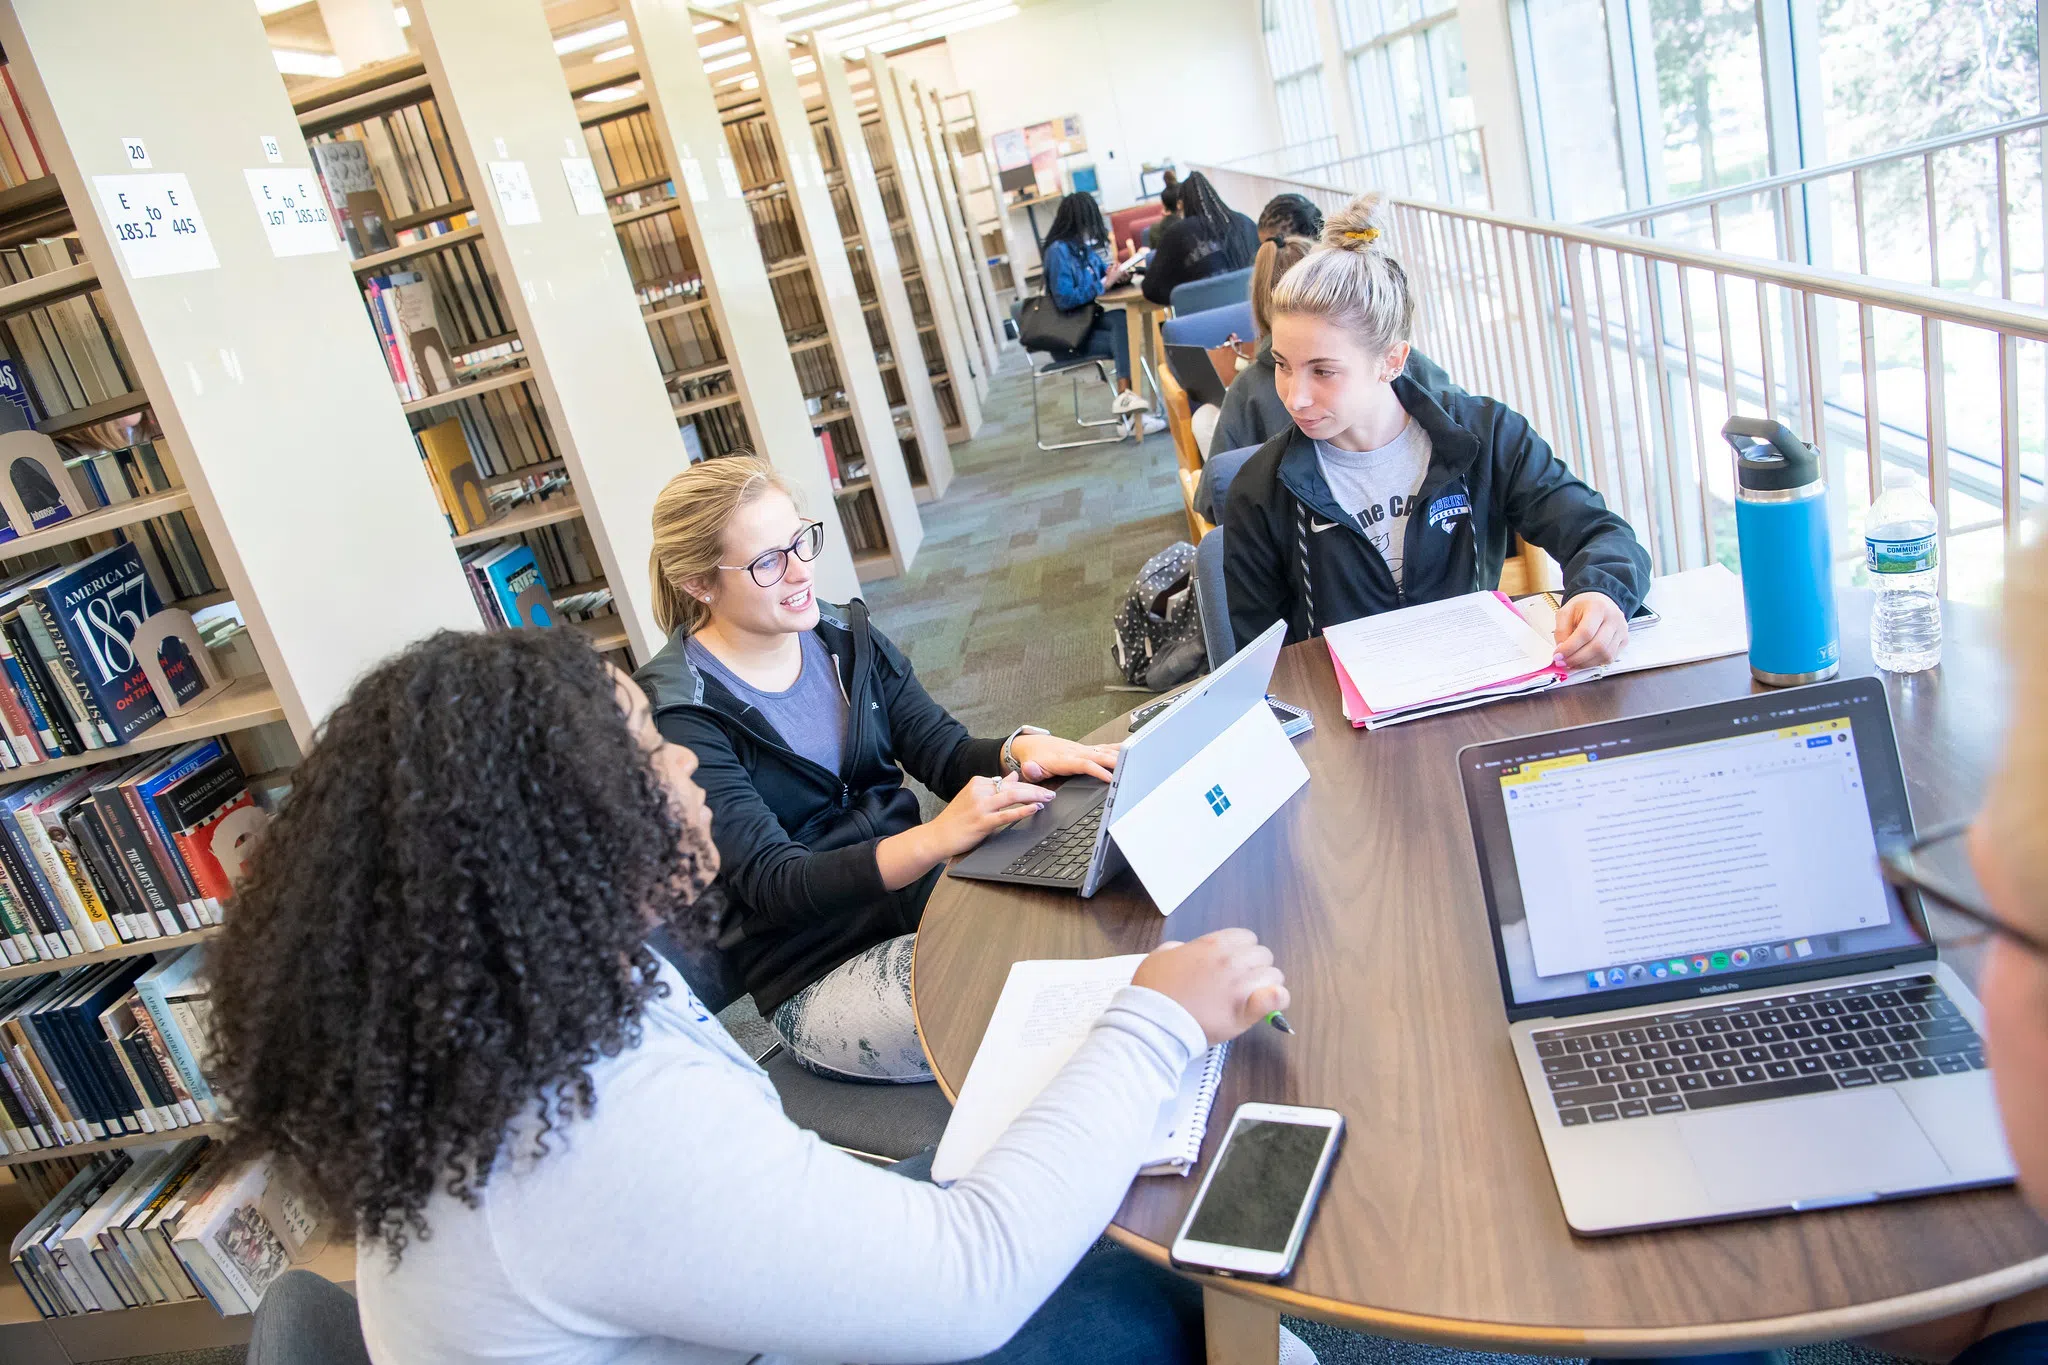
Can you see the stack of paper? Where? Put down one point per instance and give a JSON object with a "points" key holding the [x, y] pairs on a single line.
{"points": [[1445, 656], [1045, 1011]]}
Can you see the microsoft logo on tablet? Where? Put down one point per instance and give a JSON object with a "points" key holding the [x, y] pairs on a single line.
{"points": [[1218, 802]]}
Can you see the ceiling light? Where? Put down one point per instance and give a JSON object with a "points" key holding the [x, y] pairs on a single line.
{"points": [[802, 66], [722, 45], [727, 63], [964, 20], [591, 37], [879, 38], [932, 13], [292, 62], [402, 15], [612, 54], [854, 54], [873, 21], [826, 16], [778, 8], [614, 92], [707, 25]]}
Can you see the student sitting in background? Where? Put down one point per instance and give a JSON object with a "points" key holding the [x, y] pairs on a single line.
{"points": [[1290, 215], [1169, 199], [1077, 272], [1208, 238], [1252, 411], [1382, 494], [435, 1003], [800, 715]]}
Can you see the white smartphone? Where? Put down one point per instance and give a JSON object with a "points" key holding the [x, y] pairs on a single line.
{"points": [[1256, 1200]]}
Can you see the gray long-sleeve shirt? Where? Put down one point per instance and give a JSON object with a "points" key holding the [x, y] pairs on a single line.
{"points": [[688, 1222]]}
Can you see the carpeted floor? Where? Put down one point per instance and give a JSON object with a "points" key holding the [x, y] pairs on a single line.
{"points": [[1006, 616]]}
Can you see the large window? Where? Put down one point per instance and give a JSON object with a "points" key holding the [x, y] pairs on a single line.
{"points": [[1405, 60], [1296, 61], [1568, 109]]}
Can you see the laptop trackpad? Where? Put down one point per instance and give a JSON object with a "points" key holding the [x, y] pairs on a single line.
{"points": [[1827, 1146]]}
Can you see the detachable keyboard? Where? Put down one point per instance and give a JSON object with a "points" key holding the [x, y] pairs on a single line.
{"points": [[1801, 1044], [1064, 853]]}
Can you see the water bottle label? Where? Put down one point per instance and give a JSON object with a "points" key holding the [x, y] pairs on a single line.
{"points": [[1900, 556]]}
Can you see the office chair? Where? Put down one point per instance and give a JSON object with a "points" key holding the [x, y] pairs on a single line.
{"points": [[1218, 291], [877, 1123], [1212, 600], [306, 1320]]}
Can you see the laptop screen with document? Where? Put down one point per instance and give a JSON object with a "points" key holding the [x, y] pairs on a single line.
{"points": [[1684, 854]]}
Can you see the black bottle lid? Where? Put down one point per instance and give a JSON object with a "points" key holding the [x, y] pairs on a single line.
{"points": [[1768, 456]]}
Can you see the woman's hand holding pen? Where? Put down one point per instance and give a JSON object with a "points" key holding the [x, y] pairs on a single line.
{"points": [[1226, 980]]}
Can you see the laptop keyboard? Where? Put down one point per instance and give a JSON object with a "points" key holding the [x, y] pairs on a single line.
{"points": [[1064, 853], [1798, 1044]]}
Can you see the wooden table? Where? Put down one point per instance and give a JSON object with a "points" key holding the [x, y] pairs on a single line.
{"points": [[1142, 319], [1440, 1223]]}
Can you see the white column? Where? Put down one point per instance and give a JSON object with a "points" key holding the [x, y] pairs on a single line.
{"points": [[1497, 99]]}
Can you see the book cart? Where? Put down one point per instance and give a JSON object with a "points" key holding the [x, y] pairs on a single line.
{"points": [[981, 198], [193, 390], [788, 282], [948, 352]]}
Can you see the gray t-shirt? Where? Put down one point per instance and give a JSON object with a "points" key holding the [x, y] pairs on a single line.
{"points": [[810, 714], [1376, 487]]}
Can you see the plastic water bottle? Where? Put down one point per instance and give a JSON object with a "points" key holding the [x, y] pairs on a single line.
{"points": [[1904, 558]]}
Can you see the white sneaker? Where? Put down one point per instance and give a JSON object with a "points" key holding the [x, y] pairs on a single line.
{"points": [[1128, 401], [1127, 428], [1294, 1351]]}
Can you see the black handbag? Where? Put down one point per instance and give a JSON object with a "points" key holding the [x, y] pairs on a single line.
{"points": [[1043, 327]]}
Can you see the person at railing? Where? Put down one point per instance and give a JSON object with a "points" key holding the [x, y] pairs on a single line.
{"points": [[1208, 238], [1384, 494], [1078, 271], [1252, 411], [1290, 215]]}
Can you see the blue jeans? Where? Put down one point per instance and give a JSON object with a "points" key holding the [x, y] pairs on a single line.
{"points": [[1108, 339], [1127, 1311]]}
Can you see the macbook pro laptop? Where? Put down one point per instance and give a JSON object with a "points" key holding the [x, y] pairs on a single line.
{"points": [[1067, 844], [1718, 1006]]}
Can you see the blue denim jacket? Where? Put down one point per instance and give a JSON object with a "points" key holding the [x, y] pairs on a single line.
{"points": [[1072, 277]]}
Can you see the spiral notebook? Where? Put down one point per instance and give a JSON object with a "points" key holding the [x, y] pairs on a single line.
{"points": [[1044, 1012]]}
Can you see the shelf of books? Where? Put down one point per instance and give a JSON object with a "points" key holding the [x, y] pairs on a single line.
{"points": [[941, 347], [172, 623], [975, 281], [927, 158], [981, 197], [433, 293]]}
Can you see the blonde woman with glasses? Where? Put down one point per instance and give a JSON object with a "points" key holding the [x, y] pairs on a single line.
{"points": [[804, 719]]}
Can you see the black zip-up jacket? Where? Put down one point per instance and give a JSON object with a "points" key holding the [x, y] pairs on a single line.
{"points": [[1291, 553], [796, 841]]}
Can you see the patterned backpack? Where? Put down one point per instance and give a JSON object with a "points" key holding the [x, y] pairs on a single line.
{"points": [[1158, 627]]}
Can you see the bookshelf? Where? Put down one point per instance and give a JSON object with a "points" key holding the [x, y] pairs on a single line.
{"points": [[951, 279], [559, 411], [981, 196], [908, 213], [879, 246], [974, 279], [224, 405], [694, 251]]}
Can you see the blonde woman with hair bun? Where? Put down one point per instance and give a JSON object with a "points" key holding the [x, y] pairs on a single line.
{"points": [[1382, 492], [804, 719]]}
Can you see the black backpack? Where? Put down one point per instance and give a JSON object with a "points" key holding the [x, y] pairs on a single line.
{"points": [[1158, 626]]}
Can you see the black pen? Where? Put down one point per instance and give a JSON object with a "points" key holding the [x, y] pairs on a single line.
{"points": [[1279, 1021]]}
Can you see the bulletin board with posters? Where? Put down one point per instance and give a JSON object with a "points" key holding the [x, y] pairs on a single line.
{"points": [[1038, 148]]}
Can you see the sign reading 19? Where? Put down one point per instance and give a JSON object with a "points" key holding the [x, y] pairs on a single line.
{"points": [[133, 230]]}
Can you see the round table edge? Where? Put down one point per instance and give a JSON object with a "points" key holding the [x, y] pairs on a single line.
{"points": [[1828, 1324]]}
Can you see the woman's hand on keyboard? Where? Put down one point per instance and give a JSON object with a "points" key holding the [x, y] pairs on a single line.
{"points": [[984, 805], [1226, 980]]}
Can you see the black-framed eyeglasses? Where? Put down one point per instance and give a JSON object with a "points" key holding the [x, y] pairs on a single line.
{"points": [[1906, 866], [770, 566]]}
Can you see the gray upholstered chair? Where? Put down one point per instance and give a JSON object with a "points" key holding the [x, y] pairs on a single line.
{"points": [[1218, 291], [878, 1123]]}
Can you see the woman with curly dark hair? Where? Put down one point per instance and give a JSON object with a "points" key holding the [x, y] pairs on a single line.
{"points": [[434, 1003]]}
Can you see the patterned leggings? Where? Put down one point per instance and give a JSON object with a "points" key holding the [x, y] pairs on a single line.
{"points": [[855, 1023]]}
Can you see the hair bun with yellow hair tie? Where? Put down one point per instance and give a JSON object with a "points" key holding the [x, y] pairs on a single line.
{"points": [[1365, 235]]}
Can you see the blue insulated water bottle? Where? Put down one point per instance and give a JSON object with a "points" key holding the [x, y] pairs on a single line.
{"points": [[1781, 524]]}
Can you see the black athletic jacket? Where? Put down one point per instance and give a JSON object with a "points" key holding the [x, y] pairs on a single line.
{"points": [[796, 842], [1290, 553]]}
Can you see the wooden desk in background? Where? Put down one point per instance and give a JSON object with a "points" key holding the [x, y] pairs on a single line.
{"points": [[1142, 318], [1440, 1222]]}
